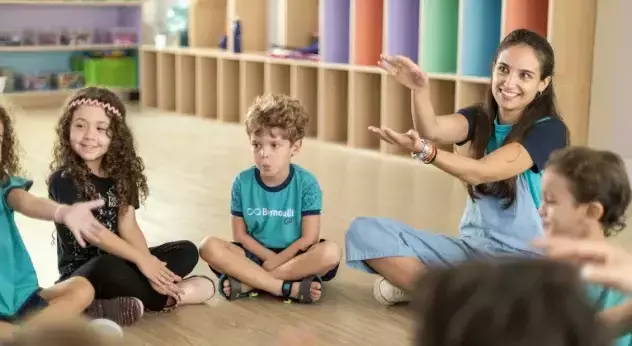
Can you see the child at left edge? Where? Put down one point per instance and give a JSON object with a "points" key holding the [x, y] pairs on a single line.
{"points": [[276, 207]]}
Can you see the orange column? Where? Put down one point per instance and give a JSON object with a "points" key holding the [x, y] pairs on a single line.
{"points": [[368, 31], [526, 14]]}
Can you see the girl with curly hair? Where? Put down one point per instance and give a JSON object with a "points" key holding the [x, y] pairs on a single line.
{"points": [[21, 297], [95, 157]]}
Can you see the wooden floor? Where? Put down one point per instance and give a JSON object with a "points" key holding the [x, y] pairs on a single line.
{"points": [[190, 166]]}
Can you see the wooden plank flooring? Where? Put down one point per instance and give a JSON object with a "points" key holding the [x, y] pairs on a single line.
{"points": [[191, 163]]}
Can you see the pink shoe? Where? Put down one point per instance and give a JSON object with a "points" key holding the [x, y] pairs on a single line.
{"points": [[197, 290]]}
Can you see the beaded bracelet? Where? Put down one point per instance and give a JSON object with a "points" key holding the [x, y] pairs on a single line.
{"points": [[427, 154]]}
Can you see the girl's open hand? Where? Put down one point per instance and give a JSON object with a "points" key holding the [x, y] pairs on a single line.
{"points": [[409, 140], [160, 277], [405, 71], [80, 221]]}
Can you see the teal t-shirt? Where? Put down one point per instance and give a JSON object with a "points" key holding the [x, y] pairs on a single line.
{"points": [[18, 279], [607, 298], [273, 214]]}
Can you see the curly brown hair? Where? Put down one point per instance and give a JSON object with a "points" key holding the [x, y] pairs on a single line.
{"points": [[10, 161], [120, 163], [278, 111], [596, 176]]}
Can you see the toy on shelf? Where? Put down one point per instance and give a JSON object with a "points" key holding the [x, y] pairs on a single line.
{"points": [[68, 80], [123, 36], [76, 37], [8, 39], [223, 43], [36, 82], [309, 52], [70, 37]]}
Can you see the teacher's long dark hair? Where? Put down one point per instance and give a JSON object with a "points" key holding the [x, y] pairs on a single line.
{"points": [[543, 105]]}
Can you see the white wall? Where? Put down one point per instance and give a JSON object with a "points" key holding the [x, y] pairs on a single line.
{"points": [[610, 125]]}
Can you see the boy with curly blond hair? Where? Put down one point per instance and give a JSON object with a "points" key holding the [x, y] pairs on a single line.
{"points": [[275, 207]]}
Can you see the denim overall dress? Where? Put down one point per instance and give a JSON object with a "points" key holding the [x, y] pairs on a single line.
{"points": [[487, 230]]}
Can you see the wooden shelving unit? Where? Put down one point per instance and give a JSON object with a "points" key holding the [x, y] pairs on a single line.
{"points": [[345, 92], [43, 59]]}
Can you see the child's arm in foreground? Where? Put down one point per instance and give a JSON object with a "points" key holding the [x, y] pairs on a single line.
{"points": [[77, 217], [603, 264]]}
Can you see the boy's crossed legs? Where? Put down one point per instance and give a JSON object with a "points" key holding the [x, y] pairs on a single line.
{"points": [[320, 260], [65, 300]]}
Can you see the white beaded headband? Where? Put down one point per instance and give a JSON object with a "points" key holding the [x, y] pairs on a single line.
{"points": [[93, 102]]}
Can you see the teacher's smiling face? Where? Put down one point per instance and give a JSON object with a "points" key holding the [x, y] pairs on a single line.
{"points": [[516, 79]]}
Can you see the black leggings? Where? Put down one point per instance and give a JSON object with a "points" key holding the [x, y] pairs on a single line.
{"points": [[114, 277]]}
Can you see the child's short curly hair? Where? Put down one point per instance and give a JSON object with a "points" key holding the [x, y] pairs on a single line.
{"points": [[596, 176], [278, 111]]}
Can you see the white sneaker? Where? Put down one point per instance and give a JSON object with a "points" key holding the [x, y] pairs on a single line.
{"points": [[107, 327], [388, 294]]}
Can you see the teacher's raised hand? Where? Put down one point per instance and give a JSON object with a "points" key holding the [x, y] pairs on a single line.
{"points": [[405, 71], [409, 140]]}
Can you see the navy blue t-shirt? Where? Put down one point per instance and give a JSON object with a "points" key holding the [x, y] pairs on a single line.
{"points": [[546, 136]]}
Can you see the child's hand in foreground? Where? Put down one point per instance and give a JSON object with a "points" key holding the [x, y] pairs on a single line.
{"points": [[601, 262]]}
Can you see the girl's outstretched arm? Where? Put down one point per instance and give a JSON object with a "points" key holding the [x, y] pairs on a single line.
{"points": [[130, 231], [77, 217]]}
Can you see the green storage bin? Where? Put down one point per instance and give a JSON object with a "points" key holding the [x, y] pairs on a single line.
{"points": [[111, 72]]}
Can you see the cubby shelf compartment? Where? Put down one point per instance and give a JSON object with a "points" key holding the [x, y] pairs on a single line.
{"points": [[166, 84], [333, 90], [149, 80], [228, 90], [367, 43], [395, 112], [251, 83], [335, 30], [185, 84], [206, 87], [208, 21], [402, 22], [439, 35], [469, 93], [304, 87], [479, 35], [364, 109], [277, 78], [520, 14]]}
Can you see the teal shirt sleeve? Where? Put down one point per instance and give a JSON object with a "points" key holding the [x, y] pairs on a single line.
{"points": [[607, 298], [312, 196], [18, 279], [235, 199], [14, 183]]}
